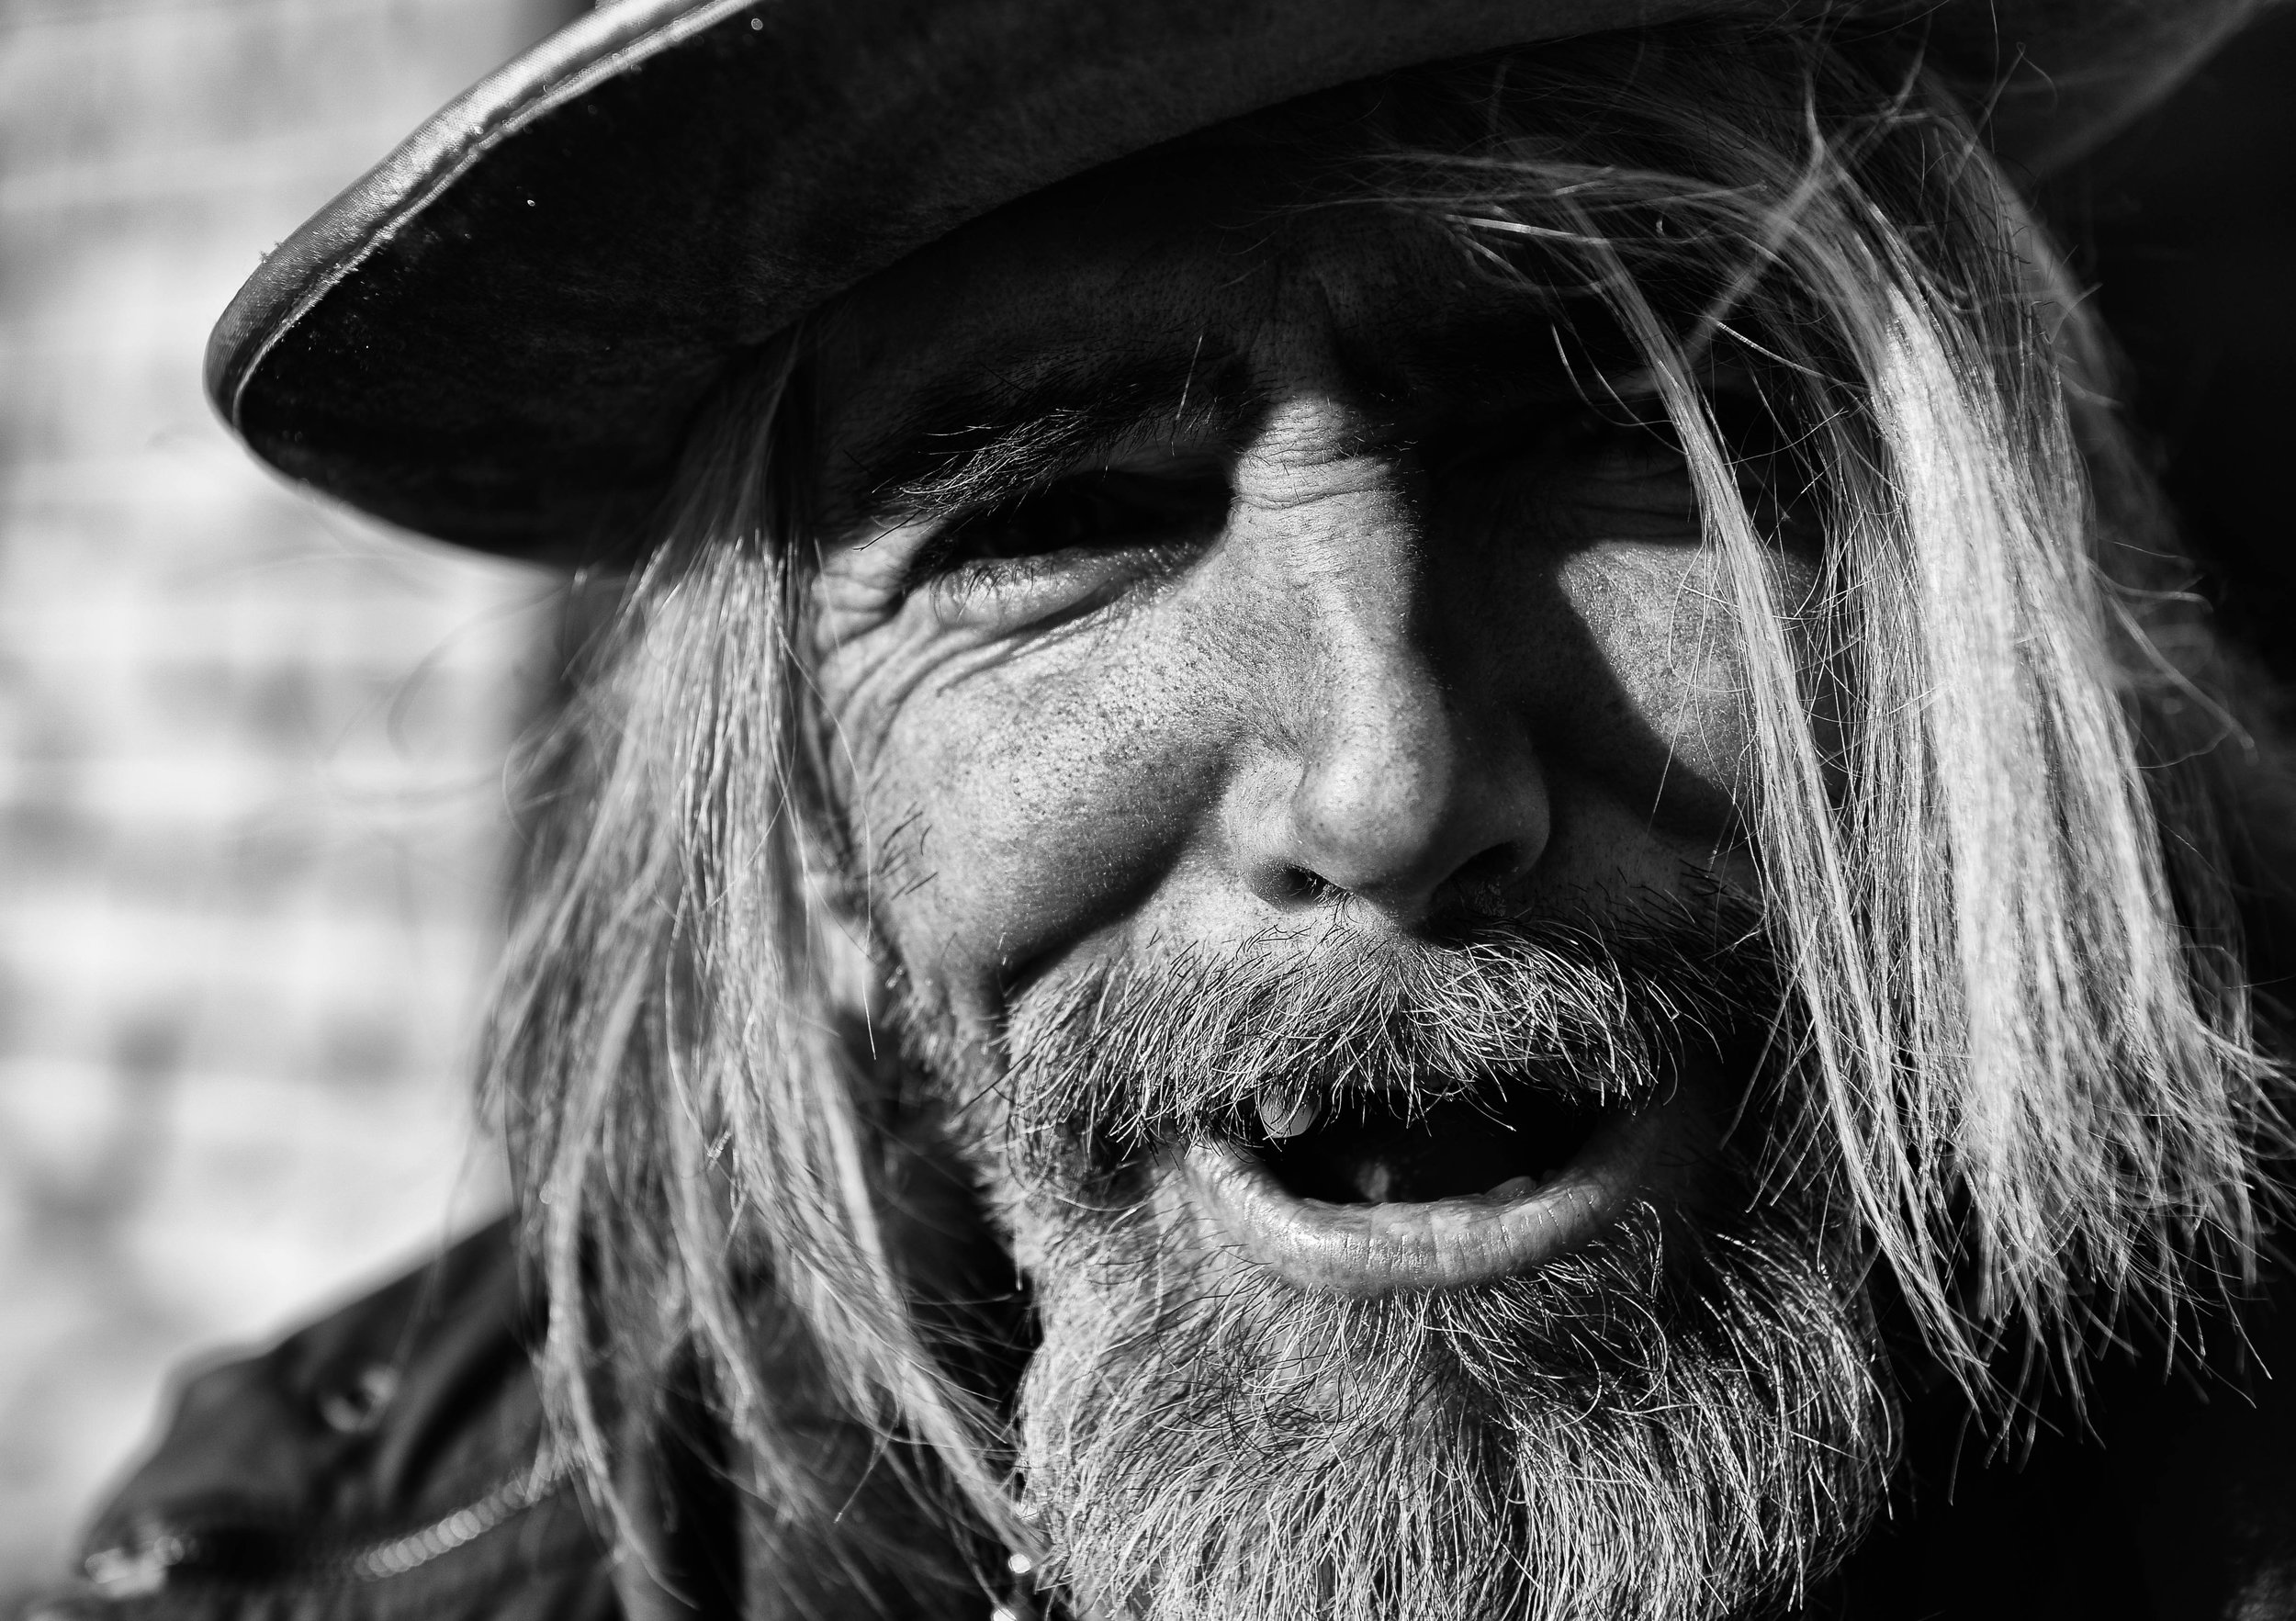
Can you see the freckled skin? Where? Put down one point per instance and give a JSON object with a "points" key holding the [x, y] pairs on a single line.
{"points": [[1375, 695]]}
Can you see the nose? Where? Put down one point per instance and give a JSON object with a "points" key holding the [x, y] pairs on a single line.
{"points": [[1393, 772]]}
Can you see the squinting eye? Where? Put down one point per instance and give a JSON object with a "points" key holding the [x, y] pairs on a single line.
{"points": [[1095, 511]]}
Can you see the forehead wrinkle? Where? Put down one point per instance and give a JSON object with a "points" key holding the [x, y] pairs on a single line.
{"points": [[1404, 358], [987, 435], [1457, 365], [1416, 323]]}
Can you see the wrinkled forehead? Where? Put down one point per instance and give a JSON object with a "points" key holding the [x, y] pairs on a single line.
{"points": [[1205, 277]]}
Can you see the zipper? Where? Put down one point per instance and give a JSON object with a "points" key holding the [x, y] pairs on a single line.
{"points": [[220, 1551]]}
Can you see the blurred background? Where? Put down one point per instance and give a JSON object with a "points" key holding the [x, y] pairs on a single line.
{"points": [[252, 824]]}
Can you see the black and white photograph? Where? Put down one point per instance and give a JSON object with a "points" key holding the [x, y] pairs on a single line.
{"points": [[1147, 810]]}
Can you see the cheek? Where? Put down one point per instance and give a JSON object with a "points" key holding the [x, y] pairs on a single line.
{"points": [[1010, 807], [1661, 620]]}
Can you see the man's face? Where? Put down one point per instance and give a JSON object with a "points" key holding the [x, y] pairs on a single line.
{"points": [[1211, 576], [1296, 734]]}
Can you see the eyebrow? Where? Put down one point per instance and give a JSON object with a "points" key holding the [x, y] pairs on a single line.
{"points": [[983, 441]]}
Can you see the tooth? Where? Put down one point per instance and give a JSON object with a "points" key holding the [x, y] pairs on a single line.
{"points": [[1285, 1114]]}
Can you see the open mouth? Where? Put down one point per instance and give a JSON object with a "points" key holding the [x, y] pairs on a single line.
{"points": [[1501, 1144], [1372, 1198]]}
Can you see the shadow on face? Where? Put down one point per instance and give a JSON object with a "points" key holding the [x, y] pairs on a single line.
{"points": [[1220, 562]]}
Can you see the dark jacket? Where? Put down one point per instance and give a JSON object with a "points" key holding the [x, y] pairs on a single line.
{"points": [[387, 1465], [383, 1465]]}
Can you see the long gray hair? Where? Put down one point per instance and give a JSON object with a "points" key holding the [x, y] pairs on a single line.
{"points": [[2001, 809]]}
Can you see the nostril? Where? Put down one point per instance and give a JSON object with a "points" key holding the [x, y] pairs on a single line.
{"points": [[1304, 885], [1493, 869], [1478, 886]]}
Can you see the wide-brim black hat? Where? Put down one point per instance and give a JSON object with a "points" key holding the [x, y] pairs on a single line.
{"points": [[498, 336]]}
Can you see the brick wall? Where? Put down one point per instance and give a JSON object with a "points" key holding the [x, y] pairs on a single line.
{"points": [[250, 750]]}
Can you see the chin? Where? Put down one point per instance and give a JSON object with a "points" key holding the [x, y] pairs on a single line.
{"points": [[1660, 1422]]}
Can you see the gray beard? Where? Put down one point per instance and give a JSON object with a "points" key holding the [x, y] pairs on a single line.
{"points": [[1625, 1436], [1684, 1418]]}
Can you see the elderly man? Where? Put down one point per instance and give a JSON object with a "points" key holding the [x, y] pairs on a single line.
{"points": [[1392, 811]]}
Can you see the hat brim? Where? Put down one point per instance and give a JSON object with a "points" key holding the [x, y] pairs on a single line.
{"points": [[498, 336]]}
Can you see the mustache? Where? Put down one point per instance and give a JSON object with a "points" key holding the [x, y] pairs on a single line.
{"points": [[1119, 1059]]}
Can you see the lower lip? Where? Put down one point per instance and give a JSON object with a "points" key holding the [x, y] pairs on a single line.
{"points": [[1375, 1249]]}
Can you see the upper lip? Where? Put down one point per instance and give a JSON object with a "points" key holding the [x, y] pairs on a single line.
{"points": [[1446, 1242]]}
